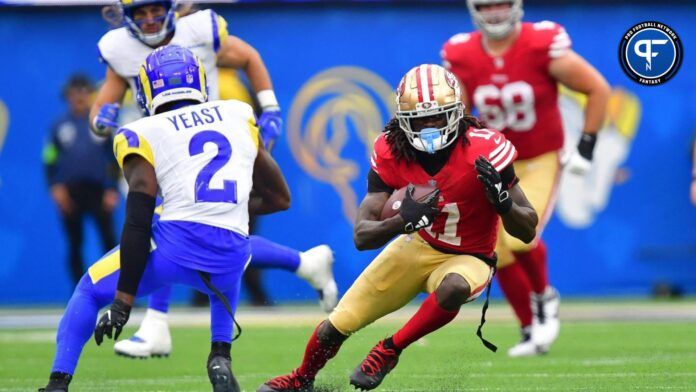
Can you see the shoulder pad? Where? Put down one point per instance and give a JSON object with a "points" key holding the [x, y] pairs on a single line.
{"points": [[381, 153], [493, 146], [111, 44], [551, 38]]}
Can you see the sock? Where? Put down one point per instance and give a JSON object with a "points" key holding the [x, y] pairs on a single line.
{"points": [[222, 328], [220, 349], [77, 324], [317, 354], [267, 254], [535, 267], [159, 300], [429, 317], [517, 290]]}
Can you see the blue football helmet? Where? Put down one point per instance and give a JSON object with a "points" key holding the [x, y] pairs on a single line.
{"points": [[168, 20], [170, 73]]}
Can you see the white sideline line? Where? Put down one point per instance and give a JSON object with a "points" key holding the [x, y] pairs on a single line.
{"points": [[299, 316], [28, 337]]}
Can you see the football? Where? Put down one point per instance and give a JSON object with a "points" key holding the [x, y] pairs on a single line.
{"points": [[393, 205]]}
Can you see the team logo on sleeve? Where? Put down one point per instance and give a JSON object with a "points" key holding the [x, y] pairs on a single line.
{"points": [[651, 53]]}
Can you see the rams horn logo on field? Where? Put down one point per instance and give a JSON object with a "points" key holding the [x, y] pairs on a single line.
{"points": [[325, 112]]}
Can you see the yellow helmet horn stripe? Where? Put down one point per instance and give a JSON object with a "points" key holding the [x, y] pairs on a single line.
{"points": [[201, 78], [145, 82]]}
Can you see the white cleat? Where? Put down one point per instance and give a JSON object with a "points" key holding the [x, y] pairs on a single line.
{"points": [[526, 347], [151, 340], [316, 267], [545, 325]]}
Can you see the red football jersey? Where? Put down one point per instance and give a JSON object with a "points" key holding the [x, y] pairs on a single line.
{"points": [[468, 222], [514, 93]]}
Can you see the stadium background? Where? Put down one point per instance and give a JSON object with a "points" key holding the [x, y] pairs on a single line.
{"points": [[336, 62]]}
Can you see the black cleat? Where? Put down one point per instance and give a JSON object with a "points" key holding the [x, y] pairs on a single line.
{"points": [[58, 382], [220, 375], [379, 362], [292, 382]]}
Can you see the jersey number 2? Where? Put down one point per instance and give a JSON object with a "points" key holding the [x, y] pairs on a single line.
{"points": [[203, 192]]}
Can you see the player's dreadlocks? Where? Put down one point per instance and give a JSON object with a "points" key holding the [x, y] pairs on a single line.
{"points": [[402, 149]]}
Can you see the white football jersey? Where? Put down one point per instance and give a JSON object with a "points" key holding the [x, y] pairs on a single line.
{"points": [[203, 157], [201, 32]]}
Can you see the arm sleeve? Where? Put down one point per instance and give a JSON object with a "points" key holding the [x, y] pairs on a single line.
{"points": [[135, 240], [375, 183], [508, 177]]}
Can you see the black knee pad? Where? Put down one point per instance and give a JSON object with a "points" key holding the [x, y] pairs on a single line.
{"points": [[328, 333]]}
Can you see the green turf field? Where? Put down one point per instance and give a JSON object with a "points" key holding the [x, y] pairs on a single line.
{"points": [[589, 356]]}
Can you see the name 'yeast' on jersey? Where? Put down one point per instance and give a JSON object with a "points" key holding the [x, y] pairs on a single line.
{"points": [[514, 93], [203, 157], [202, 33], [468, 222]]}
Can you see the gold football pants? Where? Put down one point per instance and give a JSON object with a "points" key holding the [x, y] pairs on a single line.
{"points": [[406, 267], [538, 179]]}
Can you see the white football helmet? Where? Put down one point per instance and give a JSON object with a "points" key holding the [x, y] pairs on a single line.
{"points": [[495, 24], [429, 90]]}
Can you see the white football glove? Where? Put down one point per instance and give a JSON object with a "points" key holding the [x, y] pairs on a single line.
{"points": [[579, 162], [576, 164]]}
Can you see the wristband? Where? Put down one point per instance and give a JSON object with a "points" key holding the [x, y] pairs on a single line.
{"points": [[586, 145], [267, 99]]}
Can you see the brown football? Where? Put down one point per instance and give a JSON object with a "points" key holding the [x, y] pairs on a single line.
{"points": [[393, 205]]}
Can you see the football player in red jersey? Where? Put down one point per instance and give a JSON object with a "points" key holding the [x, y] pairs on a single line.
{"points": [[510, 71], [444, 244]]}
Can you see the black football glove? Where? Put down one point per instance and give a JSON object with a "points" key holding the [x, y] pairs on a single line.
{"points": [[417, 215], [499, 197], [112, 321]]}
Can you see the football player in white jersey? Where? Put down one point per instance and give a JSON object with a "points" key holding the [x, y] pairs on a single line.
{"points": [[149, 24], [202, 158]]}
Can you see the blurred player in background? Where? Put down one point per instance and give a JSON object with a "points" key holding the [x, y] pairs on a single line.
{"points": [[150, 24], [81, 173], [201, 239], [445, 243], [510, 71]]}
